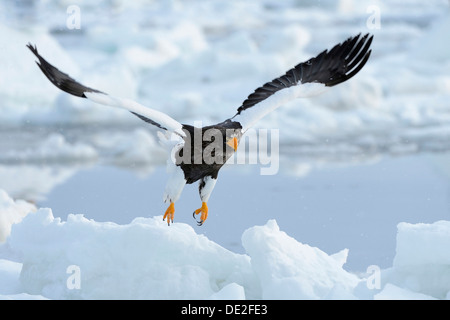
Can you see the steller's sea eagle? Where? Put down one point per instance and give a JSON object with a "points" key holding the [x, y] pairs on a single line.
{"points": [[187, 160]]}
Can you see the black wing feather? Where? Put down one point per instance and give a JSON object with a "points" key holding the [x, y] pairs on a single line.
{"points": [[60, 79], [64, 82], [331, 67]]}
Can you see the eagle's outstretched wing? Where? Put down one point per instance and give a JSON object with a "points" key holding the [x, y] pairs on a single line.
{"points": [[306, 79], [64, 82]]}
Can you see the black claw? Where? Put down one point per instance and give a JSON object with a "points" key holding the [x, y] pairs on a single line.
{"points": [[199, 222]]}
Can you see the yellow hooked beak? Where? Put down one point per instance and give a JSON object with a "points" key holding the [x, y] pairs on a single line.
{"points": [[233, 143]]}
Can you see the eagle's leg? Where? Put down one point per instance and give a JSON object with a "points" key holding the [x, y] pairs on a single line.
{"points": [[173, 191], [205, 188], [170, 212]]}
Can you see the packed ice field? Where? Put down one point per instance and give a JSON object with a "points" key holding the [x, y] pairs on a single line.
{"points": [[197, 61]]}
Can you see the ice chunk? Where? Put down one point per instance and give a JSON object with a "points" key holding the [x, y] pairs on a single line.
{"points": [[232, 291], [11, 212], [391, 292], [146, 259], [422, 260], [288, 269]]}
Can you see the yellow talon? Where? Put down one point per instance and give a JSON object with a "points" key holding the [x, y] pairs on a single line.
{"points": [[169, 213], [204, 213]]}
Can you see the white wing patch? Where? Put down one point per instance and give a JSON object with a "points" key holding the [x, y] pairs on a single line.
{"points": [[159, 117], [248, 117], [172, 143]]}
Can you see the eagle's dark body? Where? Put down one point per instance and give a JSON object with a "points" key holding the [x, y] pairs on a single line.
{"points": [[199, 164]]}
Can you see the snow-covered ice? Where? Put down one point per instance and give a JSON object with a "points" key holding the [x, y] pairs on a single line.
{"points": [[11, 212], [288, 269], [47, 258]]}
